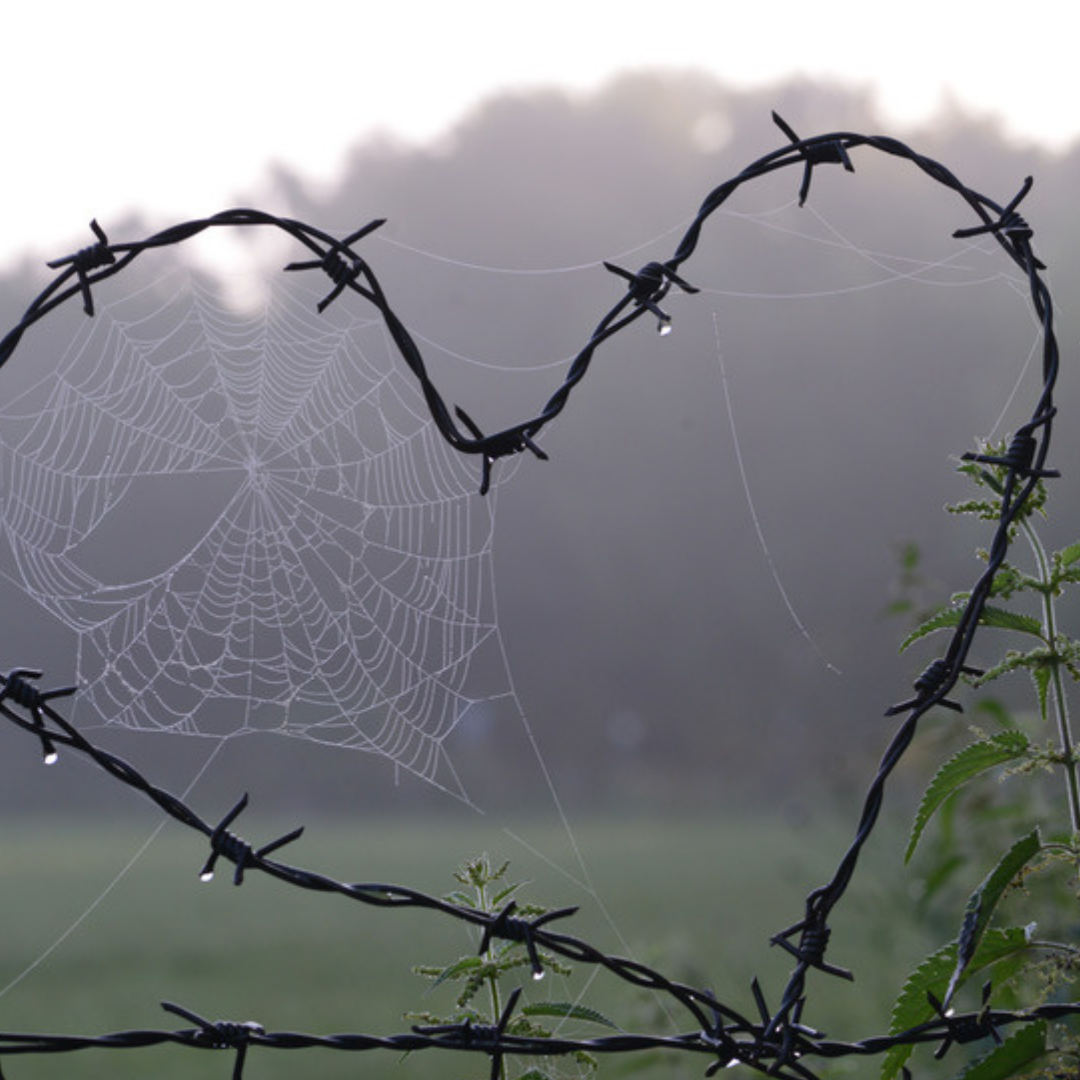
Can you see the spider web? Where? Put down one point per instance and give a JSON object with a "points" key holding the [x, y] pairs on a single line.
{"points": [[251, 524]]}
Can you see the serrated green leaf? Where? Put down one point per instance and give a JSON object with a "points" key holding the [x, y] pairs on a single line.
{"points": [[467, 965], [912, 1006], [1070, 554], [941, 620], [949, 617], [985, 899], [565, 1010], [503, 894], [963, 766], [1020, 1049], [1004, 619]]}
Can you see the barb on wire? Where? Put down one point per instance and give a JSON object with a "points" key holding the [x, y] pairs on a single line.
{"points": [[489, 1040], [18, 689], [222, 1035], [514, 441], [777, 1042], [341, 272], [973, 1027], [237, 851], [827, 151], [1020, 455], [1009, 227], [932, 686], [814, 933], [649, 286], [83, 262], [510, 927]]}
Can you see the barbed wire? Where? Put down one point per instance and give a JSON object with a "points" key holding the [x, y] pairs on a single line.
{"points": [[494, 1041], [776, 1042]]}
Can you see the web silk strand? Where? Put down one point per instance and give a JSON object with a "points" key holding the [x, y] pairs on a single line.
{"points": [[755, 519]]}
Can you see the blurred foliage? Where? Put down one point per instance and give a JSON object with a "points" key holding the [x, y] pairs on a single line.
{"points": [[997, 816]]}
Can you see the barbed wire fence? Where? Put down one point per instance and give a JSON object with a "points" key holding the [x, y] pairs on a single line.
{"points": [[775, 1041]]}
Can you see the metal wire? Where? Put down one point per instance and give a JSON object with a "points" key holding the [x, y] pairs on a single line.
{"points": [[776, 1042]]}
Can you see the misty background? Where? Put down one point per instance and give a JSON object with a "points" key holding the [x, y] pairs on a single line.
{"points": [[654, 657]]}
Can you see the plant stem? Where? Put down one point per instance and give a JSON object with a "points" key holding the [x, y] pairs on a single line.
{"points": [[1059, 704], [493, 980]]}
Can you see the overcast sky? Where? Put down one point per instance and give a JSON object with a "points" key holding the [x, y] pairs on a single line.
{"points": [[179, 108]]}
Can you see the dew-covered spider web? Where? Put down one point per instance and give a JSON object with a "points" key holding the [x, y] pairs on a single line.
{"points": [[251, 525], [247, 519]]}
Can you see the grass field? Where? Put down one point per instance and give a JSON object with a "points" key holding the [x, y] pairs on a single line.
{"points": [[697, 899]]}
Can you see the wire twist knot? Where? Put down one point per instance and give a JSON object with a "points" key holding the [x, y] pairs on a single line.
{"points": [[827, 152], [224, 844], [230, 1034], [339, 271], [814, 943], [718, 1039], [220, 1034], [487, 1038], [18, 689], [649, 286], [1011, 228], [814, 934], [1020, 455], [343, 273], [971, 1027], [510, 927], [502, 444], [86, 260], [937, 676]]}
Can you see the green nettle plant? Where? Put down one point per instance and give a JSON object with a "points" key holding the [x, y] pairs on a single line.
{"points": [[1019, 825], [482, 980]]}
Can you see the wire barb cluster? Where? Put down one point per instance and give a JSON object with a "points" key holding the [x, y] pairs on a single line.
{"points": [[83, 262], [239, 852], [649, 286], [777, 1042]]}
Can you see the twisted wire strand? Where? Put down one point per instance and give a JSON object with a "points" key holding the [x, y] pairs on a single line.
{"points": [[778, 1043], [498, 1043]]}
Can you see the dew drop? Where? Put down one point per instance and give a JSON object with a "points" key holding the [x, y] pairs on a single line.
{"points": [[51, 757], [538, 974], [664, 328], [207, 875]]}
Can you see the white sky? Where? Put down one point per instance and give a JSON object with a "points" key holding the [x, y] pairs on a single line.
{"points": [[177, 108]]}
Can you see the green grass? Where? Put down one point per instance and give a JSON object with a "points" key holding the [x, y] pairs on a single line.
{"points": [[697, 899]]}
